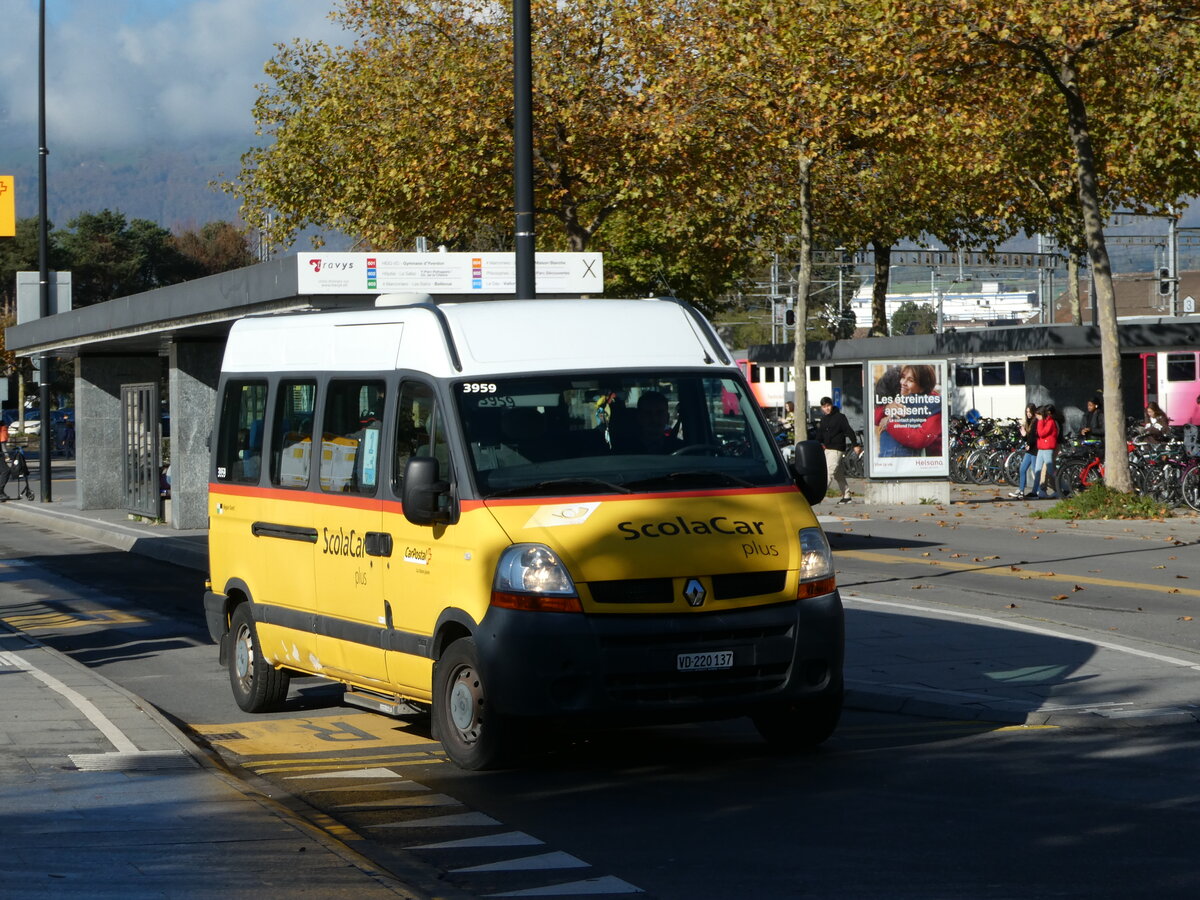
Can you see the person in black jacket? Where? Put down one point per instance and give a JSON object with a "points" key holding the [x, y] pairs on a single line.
{"points": [[1092, 428], [835, 434]]}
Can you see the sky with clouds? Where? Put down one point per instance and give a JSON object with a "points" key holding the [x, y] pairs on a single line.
{"points": [[124, 72]]}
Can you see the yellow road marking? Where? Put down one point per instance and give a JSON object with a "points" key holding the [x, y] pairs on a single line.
{"points": [[287, 737], [320, 765], [1006, 569], [52, 619]]}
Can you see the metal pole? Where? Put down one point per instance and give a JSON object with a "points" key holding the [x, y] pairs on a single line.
{"points": [[1173, 261], [775, 295], [526, 288], [45, 442]]}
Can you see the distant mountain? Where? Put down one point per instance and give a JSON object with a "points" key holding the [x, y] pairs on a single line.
{"points": [[170, 183], [166, 184]]}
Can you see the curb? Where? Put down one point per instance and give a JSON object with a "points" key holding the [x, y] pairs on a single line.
{"points": [[166, 547], [210, 764], [913, 704]]}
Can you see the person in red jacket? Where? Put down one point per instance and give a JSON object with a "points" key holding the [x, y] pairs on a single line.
{"points": [[1047, 444]]}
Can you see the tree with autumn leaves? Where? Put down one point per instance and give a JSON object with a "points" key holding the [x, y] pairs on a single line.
{"points": [[1115, 85], [705, 133]]}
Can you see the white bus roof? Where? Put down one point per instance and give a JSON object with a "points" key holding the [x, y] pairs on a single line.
{"points": [[480, 338]]}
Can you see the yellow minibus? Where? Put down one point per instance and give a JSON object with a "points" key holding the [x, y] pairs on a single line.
{"points": [[503, 512]]}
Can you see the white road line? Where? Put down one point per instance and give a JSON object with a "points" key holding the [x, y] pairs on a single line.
{"points": [[505, 839], [868, 603], [607, 884], [351, 773], [461, 820], [555, 860], [80, 702]]}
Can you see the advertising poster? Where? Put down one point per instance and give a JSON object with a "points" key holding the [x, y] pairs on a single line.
{"points": [[909, 426]]}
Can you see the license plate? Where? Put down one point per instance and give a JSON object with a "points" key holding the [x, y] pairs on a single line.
{"points": [[698, 662]]}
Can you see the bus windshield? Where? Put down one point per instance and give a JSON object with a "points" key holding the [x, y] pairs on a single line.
{"points": [[614, 433]]}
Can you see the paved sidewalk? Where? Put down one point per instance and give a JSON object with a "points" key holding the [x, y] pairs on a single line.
{"points": [[102, 796]]}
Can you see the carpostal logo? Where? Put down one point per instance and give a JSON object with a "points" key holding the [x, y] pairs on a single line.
{"points": [[419, 556], [342, 543]]}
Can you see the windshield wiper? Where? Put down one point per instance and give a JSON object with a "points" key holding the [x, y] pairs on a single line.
{"points": [[552, 485], [693, 477]]}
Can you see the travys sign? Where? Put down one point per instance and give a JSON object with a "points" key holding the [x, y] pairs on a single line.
{"points": [[445, 273]]}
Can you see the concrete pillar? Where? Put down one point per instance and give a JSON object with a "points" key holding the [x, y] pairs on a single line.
{"points": [[99, 454], [194, 367]]}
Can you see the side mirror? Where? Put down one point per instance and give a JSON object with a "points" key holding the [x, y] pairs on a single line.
{"points": [[423, 492], [811, 475]]}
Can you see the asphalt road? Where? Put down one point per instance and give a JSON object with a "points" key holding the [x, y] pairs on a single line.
{"points": [[891, 807], [1142, 582]]}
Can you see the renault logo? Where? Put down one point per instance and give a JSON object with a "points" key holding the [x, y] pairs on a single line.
{"points": [[693, 592]]}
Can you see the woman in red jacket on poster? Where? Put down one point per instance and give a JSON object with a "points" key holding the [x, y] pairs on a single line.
{"points": [[910, 424]]}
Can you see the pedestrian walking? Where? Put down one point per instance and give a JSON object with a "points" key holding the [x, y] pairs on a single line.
{"points": [[835, 434], [1025, 485], [1047, 444]]}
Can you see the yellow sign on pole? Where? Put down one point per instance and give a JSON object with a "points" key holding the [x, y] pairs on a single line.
{"points": [[8, 207]]}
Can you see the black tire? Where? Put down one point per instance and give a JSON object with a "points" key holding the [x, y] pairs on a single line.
{"points": [[1012, 467], [854, 464], [257, 685], [1068, 478], [473, 736], [1190, 488], [799, 725]]}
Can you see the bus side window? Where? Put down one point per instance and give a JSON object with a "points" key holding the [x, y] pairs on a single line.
{"points": [[419, 432], [350, 442], [243, 405], [291, 433]]}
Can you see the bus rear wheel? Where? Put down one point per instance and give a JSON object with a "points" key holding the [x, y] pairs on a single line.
{"points": [[257, 685], [473, 735]]}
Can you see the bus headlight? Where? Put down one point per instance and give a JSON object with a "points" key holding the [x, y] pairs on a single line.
{"points": [[532, 577], [816, 564]]}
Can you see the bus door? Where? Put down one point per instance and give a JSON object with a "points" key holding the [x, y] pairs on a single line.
{"points": [[351, 548], [420, 579], [283, 526]]}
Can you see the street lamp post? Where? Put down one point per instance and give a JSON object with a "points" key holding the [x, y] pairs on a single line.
{"points": [[46, 439], [526, 287]]}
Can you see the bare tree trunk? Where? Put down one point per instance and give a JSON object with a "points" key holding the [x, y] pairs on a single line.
{"points": [[803, 187], [1116, 454], [1073, 290], [883, 268]]}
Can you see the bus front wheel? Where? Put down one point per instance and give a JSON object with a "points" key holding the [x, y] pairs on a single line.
{"points": [[472, 734], [257, 685], [799, 725]]}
